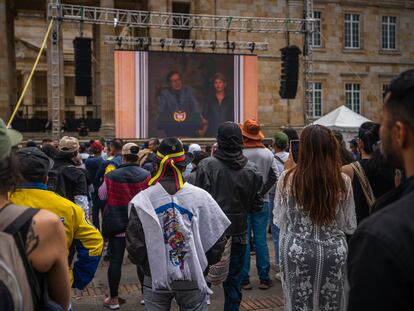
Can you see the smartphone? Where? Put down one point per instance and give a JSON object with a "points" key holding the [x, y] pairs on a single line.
{"points": [[294, 149]]}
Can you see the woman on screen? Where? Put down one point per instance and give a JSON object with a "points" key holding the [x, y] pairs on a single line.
{"points": [[219, 107]]}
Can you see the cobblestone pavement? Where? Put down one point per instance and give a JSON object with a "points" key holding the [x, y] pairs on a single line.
{"points": [[91, 298]]}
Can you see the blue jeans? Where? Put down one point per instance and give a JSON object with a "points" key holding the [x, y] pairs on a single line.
{"points": [[258, 223], [274, 229], [232, 285], [188, 300]]}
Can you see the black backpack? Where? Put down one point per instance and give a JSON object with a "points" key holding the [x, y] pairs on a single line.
{"points": [[56, 180]]}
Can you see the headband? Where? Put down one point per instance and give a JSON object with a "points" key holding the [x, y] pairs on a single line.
{"points": [[169, 160]]}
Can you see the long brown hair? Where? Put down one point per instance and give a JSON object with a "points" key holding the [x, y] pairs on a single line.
{"points": [[317, 183]]}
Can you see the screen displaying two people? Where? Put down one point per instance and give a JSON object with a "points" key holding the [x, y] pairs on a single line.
{"points": [[182, 113]]}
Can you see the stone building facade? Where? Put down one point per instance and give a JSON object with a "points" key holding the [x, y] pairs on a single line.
{"points": [[361, 45]]}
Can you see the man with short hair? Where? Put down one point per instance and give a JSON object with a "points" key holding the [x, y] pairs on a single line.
{"points": [[118, 188], [68, 180], [175, 232], [178, 109], [114, 160], [80, 235], [235, 183], [381, 251]]}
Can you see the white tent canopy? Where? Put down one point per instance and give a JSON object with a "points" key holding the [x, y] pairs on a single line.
{"points": [[343, 120]]}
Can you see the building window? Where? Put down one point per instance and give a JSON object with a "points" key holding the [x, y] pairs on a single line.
{"points": [[353, 96], [183, 8], [389, 25], [352, 31], [316, 35], [316, 99]]}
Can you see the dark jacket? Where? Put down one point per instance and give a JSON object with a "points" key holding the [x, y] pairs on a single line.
{"points": [[92, 165], [135, 237], [122, 185], [74, 177], [115, 161], [381, 254], [236, 187]]}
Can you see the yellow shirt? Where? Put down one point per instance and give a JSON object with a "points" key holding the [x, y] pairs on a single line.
{"points": [[80, 234]]}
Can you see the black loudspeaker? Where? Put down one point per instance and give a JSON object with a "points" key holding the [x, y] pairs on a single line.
{"points": [[83, 66], [290, 72]]}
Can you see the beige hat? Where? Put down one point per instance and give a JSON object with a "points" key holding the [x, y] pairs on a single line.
{"points": [[68, 144], [130, 148]]}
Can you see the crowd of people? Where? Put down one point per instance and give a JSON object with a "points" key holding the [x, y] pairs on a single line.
{"points": [[341, 222]]}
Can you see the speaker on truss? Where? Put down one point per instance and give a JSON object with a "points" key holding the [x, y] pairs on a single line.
{"points": [[290, 72], [83, 66]]}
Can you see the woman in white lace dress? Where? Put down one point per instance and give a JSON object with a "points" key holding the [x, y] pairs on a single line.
{"points": [[314, 208]]}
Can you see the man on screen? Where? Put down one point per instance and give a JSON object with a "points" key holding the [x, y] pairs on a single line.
{"points": [[178, 108], [219, 107]]}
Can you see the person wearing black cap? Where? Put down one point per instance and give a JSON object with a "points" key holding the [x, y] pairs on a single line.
{"points": [[175, 231], [235, 183], [41, 234], [381, 251], [80, 235]]}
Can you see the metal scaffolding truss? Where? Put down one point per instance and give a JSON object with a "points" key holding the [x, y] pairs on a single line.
{"points": [[308, 62], [55, 63], [144, 42], [165, 20]]}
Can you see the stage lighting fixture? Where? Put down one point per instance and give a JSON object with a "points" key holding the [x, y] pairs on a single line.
{"points": [[252, 46], [213, 45], [115, 22], [140, 43], [233, 45], [193, 44], [182, 43], [162, 42], [119, 41]]}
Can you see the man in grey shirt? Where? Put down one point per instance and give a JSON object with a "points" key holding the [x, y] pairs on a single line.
{"points": [[256, 152]]}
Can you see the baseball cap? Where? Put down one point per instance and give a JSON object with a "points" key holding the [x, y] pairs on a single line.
{"points": [[281, 139], [8, 139], [193, 148], [33, 163], [68, 144], [130, 148]]}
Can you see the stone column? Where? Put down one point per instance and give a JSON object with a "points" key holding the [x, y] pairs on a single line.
{"points": [[28, 98], [8, 81], [105, 64]]}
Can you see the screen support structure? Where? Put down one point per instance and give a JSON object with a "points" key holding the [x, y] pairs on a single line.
{"points": [[164, 20]]}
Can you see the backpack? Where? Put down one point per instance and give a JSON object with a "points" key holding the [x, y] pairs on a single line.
{"points": [[15, 290], [20, 288], [56, 180]]}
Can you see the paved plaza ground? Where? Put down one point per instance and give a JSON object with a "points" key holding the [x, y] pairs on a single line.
{"points": [[92, 297]]}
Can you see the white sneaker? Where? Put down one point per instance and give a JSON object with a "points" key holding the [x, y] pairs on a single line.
{"points": [[208, 300], [278, 276]]}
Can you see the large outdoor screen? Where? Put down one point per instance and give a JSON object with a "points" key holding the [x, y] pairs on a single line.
{"points": [[160, 94]]}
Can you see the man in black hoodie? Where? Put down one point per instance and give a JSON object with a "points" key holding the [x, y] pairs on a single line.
{"points": [[235, 184]]}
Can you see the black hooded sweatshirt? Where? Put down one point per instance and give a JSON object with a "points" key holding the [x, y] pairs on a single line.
{"points": [[233, 181]]}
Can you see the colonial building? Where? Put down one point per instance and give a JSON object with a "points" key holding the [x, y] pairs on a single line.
{"points": [[358, 47]]}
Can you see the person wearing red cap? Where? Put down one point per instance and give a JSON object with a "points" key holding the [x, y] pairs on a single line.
{"points": [[92, 165]]}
